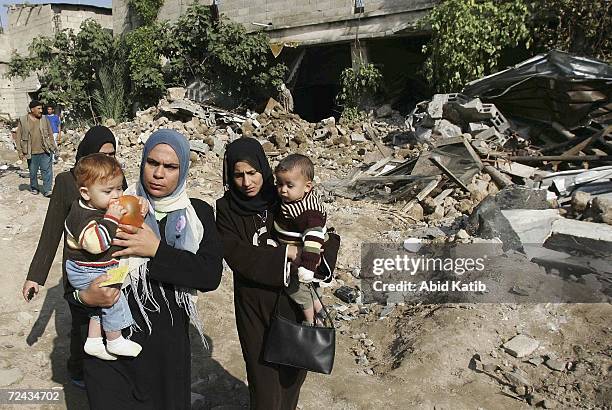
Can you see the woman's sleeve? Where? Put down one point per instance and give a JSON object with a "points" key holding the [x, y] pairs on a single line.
{"points": [[51, 233], [261, 264], [201, 270]]}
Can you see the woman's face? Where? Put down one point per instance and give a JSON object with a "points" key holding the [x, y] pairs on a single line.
{"points": [[161, 171], [247, 179], [108, 149]]}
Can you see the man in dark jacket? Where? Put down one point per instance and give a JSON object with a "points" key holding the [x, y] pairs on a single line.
{"points": [[35, 143]]}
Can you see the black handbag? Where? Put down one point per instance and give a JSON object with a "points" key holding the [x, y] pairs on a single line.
{"points": [[306, 347]]}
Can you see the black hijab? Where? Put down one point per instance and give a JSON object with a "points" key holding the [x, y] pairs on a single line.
{"points": [[93, 140], [248, 150]]}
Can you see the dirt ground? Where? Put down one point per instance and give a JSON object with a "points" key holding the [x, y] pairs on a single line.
{"points": [[419, 356]]}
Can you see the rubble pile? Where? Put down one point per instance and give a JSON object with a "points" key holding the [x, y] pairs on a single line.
{"points": [[331, 145]]}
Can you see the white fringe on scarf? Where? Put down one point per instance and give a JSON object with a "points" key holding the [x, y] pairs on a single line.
{"points": [[186, 298]]}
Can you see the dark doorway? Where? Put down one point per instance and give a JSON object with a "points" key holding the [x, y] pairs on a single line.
{"points": [[400, 61], [318, 81]]}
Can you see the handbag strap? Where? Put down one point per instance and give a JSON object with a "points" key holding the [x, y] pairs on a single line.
{"points": [[327, 316]]}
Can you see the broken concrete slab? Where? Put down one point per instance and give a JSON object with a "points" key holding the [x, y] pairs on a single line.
{"points": [[521, 345], [488, 222], [516, 169], [533, 226], [587, 238], [446, 129], [555, 364], [436, 106], [518, 197], [357, 137], [477, 127]]}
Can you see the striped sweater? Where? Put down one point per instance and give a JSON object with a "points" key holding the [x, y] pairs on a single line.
{"points": [[302, 223], [89, 233]]}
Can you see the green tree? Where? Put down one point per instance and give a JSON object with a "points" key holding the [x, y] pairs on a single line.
{"points": [[147, 10], [468, 37], [110, 99], [576, 26], [144, 57], [67, 65], [356, 89], [222, 54]]}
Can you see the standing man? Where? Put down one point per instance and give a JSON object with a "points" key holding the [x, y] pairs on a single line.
{"points": [[35, 142], [56, 126]]}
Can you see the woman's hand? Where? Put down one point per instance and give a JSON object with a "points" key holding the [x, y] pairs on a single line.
{"points": [[29, 286], [98, 296], [137, 241]]}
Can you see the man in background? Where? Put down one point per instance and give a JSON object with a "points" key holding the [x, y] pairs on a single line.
{"points": [[56, 127], [35, 143]]}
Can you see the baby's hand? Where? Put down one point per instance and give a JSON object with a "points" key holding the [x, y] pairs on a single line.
{"points": [[305, 275], [144, 206], [115, 210]]}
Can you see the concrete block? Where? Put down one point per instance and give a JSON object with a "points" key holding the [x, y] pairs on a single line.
{"points": [[477, 127]]}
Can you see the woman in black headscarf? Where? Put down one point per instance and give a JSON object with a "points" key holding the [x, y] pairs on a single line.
{"points": [[244, 220], [65, 191]]}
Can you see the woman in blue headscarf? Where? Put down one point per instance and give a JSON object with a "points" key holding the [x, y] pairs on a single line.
{"points": [[174, 253]]}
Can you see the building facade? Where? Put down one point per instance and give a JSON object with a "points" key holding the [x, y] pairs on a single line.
{"points": [[317, 39], [307, 22], [25, 22]]}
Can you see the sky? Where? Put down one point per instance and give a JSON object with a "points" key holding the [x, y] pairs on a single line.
{"points": [[3, 17]]}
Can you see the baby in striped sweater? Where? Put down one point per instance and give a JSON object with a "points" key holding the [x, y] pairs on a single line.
{"points": [[301, 222], [90, 229]]}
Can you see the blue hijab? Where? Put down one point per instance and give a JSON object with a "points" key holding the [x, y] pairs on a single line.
{"points": [[176, 232]]}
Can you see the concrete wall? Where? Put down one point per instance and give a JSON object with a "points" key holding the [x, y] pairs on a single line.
{"points": [[26, 22], [305, 21]]}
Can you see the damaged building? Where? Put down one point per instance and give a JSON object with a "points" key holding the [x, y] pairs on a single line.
{"points": [[316, 40], [25, 22]]}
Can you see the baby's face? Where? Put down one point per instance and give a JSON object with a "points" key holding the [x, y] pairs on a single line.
{"points": [[99, 195], [292, 185]]}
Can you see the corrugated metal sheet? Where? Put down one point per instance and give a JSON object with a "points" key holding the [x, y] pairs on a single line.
{"points": [[552, 87]]}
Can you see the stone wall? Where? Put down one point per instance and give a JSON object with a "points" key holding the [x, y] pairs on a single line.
{"points": [[26, 22], [304, 21]]}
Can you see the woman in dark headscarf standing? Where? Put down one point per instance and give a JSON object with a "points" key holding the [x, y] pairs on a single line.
{"points": [[176, 252], [65, 191], [244, 220]]}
